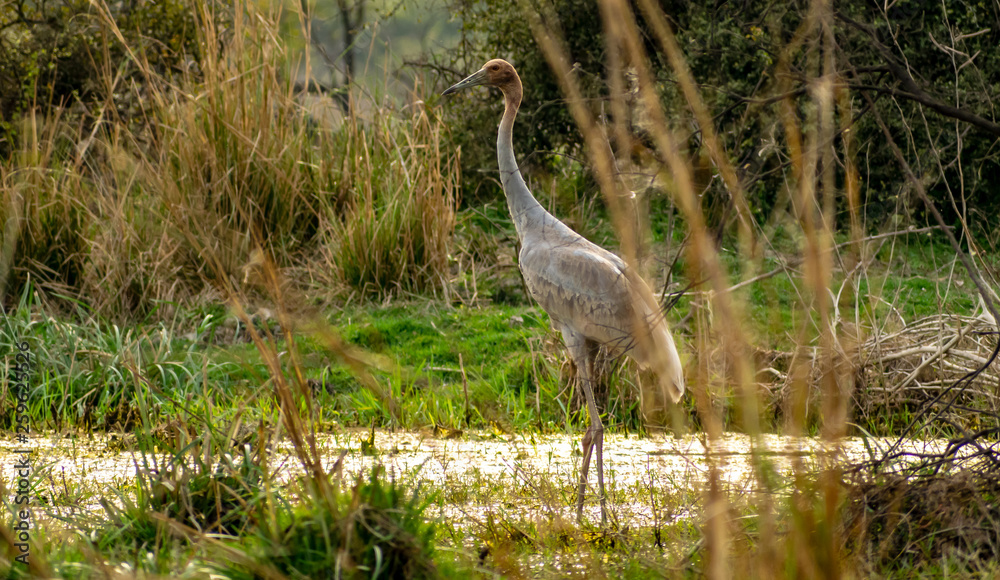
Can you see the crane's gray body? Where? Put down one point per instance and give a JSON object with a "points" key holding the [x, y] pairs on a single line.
{"points": [[591, 295]]}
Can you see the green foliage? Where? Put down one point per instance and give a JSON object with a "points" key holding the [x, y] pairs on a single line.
{"points": [[102, 376], [82, 212], [217, 174], [732, 50], [717, 39], [545, 127], [61, 54], [949, 49]]}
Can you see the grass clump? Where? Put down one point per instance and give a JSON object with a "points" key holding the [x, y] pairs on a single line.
{"points": [[898, 523], [400, 186], [43, 219], [236, 157], [196, 489], [375, 529]]}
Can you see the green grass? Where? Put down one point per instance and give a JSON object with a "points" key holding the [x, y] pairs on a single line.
{"points": [[90, 370], [426, 347], [921, 277]]}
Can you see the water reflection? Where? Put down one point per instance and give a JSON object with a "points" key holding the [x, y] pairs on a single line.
{"points": [[482, 472]]}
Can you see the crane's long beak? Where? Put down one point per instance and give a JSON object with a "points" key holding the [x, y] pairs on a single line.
{"points": [[474, 80]]}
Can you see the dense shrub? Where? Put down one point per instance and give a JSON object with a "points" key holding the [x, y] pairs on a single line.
{"points": [[64, 55], [733, 50]]}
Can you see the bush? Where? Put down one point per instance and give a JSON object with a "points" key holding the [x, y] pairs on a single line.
{"points": [[545, 128], [64, 55], [732, 50]]}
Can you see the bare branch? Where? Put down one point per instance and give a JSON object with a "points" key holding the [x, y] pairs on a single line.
{"points": [[913, 91]]}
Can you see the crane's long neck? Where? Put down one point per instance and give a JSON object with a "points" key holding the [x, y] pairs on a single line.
{"points": [[524, 208]]}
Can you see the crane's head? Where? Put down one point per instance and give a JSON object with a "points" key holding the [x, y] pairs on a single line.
{"points": [[496, 73]]}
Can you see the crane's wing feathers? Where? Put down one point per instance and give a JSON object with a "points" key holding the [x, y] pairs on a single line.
{"points": [[582, 285], [590, 290]]}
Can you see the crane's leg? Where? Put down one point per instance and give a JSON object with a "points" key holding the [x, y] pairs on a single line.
{"points": [[593, 439]]}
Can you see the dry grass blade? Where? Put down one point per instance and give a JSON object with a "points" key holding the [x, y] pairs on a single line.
{"points": [[394, 232], [661, 28]]}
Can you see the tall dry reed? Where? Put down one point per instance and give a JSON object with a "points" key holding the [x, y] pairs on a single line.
{"points": [[400, 186], [801, 539], [218, 165]]}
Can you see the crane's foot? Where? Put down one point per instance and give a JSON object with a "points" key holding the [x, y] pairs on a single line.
{"points": [[588, 449], [592, 439], [599, 446]]}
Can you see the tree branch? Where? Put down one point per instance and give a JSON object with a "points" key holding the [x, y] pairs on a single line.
{"points": [[912, 90]]}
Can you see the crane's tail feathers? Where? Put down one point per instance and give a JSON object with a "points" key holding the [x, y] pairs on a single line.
{"points": [[657, 351], [655, 346], [666, 361]]}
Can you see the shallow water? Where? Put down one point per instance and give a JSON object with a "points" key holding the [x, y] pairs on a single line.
{"points": [[637, 469], [479, 473]]}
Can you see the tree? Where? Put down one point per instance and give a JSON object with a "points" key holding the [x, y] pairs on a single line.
{"points": [[931, 68]]}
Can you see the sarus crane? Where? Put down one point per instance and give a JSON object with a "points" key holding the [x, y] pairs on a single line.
{"points": [[592, 297]]}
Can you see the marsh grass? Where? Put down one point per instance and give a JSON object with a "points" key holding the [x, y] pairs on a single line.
{"points": [[44, 224], [230, 193], [400, 189], [220, 166], [374, 527], [110, 378], [197, 485]]}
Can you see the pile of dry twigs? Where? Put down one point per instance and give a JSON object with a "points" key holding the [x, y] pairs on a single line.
{"points": [[939, 363], [905, 506]]}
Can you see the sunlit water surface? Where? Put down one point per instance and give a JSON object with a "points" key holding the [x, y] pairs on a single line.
{"points": [[481, 473]]}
